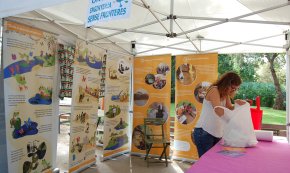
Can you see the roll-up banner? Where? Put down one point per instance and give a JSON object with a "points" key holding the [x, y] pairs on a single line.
{"points": [[194, 74], [85, 96], [152, 86], [116, 120], [29, 85]]}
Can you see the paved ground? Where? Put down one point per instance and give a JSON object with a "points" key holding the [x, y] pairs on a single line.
{"points": [[123, 164]]}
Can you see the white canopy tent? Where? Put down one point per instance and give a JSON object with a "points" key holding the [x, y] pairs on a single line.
{"points": [[158, 26], [171, 26]]}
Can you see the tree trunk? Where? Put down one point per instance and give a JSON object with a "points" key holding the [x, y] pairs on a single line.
{"points": [[278, 104]]}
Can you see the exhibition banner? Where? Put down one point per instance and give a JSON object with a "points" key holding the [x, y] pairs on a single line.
{"points": [[194, 74], [105, 10], [152, 87], [29, 84], [117, 89], [85, 97]]}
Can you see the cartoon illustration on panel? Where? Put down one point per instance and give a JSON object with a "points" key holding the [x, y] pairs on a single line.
{"points": [[117, 140], [76, 145], [28, 128], [121, 125], [86, 57], [43, 96], [37, 154], [114, 110], [112, 73], [123, 96], [82, 117], [123, 67]]}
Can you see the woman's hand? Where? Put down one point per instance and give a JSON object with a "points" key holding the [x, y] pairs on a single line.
{"points": [[240, 102]]}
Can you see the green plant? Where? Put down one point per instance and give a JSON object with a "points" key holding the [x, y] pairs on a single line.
{"points": [[250, 90]]}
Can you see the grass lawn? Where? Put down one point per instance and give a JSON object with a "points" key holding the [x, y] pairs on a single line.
{"points": [[270, 116]]}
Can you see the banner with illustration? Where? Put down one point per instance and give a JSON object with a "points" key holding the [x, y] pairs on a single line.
{"points": [[29, 85], [116, 120], [194, 74], [85, 97], [152, 86]]}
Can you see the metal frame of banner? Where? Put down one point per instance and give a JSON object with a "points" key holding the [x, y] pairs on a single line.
{"points": [[3, 147], [115, 155], [287, 48]]}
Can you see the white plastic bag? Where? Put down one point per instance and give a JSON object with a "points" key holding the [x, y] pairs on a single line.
{"points": [[239, 130]]}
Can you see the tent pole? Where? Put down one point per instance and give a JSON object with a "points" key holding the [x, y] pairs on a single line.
{"points": [[161, 47], [171, 14], [78, 36], [170, 47], [235, 18], [113, 42], [143, 6], [133, 28], [46, 20], [59, 25], [166, 46], [187, 37], [287, 47], [129, 30], [238, 43], [156, 17], [239, 20]]}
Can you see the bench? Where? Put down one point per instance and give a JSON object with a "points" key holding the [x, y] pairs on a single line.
{"points": [[278, 130], [64, 113]]}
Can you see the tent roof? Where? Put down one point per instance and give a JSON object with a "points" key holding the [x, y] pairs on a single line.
{"points": [[228, 26]]}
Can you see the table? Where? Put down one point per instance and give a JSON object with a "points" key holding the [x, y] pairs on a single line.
{"points": [[266, 157]]}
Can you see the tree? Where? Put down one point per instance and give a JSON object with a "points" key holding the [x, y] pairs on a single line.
{"points": [[279, 101], [225, 63], [243, 64]]}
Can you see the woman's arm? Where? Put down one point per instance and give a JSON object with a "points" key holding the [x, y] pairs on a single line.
{"points": [[229, 104], [214, 97]]}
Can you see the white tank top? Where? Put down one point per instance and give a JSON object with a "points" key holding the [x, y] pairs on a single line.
{"points": [[210, 121]]}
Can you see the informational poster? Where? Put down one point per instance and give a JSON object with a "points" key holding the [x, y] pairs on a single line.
{"points": [[104, 10], [152, 86], [85, 96], [194, 74], [29, 85], [116, 120]]}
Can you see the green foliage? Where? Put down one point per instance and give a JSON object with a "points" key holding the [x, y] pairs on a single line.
{"points": [[244, 64], [249, 90]]}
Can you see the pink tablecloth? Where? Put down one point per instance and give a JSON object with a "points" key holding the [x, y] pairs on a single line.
{"points": [[266, 157]]}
